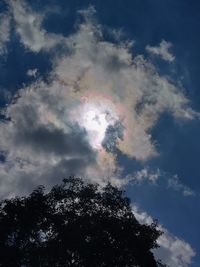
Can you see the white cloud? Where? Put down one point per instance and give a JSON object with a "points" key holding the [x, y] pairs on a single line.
{"points": [[173, 251], [28, 25], [4, 32], [32, 72], [162, 50], [43, 138]]}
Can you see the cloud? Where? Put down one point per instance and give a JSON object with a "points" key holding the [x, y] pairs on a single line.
{"points": [[4, 32], [40, 145], [173, 251], [143, 175], [132, 83], [28, 25], [45, 136], [161, 178], [32, 73], [162, 50], [175, 183]]}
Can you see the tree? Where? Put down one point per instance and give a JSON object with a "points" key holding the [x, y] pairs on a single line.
{"points": [[75, 224]]}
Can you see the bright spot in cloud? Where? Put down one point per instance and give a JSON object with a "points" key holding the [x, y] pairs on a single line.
{"points": [[96, 124], [95, 115]]}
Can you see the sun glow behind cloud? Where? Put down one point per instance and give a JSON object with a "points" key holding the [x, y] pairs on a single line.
{"points": [[95, 114], [95, 123]]}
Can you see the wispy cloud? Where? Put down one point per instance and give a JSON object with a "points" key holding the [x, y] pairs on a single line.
{"points": [[162, 50], [175, 183], [160, 178], [4, 32]]}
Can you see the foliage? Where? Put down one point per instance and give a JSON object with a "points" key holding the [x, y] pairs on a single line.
{"points": [[75, 224]]}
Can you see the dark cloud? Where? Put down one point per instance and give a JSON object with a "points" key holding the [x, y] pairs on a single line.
{"points": [[54, 140]]}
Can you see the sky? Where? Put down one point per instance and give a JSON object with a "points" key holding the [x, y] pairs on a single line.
{"points": [[109, 91]]}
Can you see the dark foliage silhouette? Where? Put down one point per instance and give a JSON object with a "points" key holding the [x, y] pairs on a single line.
{"points": [[75, 224]]}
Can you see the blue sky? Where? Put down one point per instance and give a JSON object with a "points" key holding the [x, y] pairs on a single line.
{"points": [[106, 89]]}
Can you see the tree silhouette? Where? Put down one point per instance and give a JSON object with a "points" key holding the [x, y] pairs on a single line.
{"points": [[75, 224]]}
